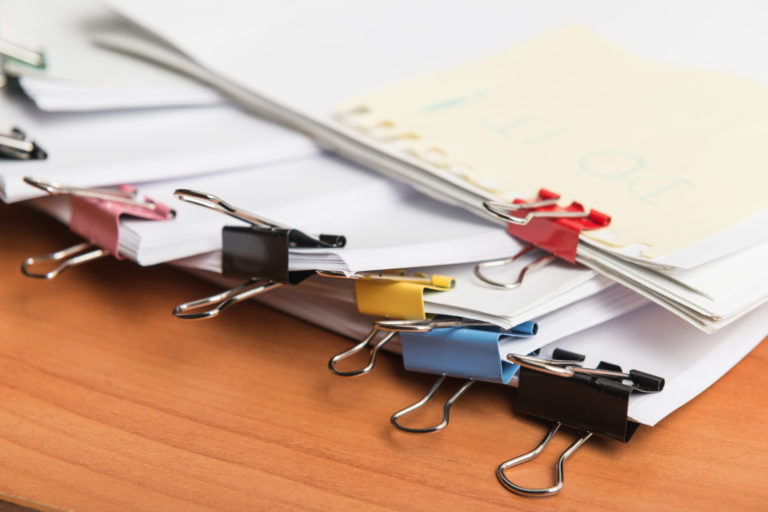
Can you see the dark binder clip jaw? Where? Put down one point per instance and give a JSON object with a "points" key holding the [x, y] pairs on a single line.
{"points": [[259, 252], [590, 400], [15, 145]]}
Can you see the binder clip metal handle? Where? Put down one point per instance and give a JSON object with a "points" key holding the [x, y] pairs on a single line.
{"points": [[15, 145], [122, 196], [499, 210], [544, 491], [14, 51], [69, 257], [395, 419], [213, 202], [511, 285], [196, 309], [357, 348]]}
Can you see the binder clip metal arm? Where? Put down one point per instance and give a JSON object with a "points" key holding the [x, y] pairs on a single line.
{"points": [[543, 223], [86, 251], [10, 52], [591, 400], [259, 253], [511, 285], [389, 328]]}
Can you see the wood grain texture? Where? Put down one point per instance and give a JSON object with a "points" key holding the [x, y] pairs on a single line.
{"points": [[107, 402]]}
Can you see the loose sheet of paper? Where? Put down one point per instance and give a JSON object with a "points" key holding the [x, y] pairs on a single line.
{"points": [[80, 76], [110, 148]]}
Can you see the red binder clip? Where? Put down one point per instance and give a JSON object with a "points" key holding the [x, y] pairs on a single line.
{"points": [[546, 225]]}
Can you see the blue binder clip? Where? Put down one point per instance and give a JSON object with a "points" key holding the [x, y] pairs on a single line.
{"points": [[468, 350]]}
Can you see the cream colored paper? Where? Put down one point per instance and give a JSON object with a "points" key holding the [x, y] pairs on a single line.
{"points": [[674, 155]]}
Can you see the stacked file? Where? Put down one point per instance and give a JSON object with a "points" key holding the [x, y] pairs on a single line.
{"points": [[419, 217]]}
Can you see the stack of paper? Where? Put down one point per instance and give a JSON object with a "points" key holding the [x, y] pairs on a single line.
{"points": [[567, 110]]}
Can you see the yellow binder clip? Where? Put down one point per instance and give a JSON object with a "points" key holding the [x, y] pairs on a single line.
{"points": [[392, 294]]}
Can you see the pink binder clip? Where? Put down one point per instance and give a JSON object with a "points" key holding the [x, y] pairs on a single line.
{"points": [[95, 215]]}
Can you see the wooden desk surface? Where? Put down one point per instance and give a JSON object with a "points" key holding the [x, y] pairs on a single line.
{"points": [[108, 402]]}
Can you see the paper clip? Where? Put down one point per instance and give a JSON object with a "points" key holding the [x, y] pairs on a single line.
{"points": [[95, 215], [15, 145], [511, 285], [591, 400], [464, 349], [546, 225], [259, 252]]}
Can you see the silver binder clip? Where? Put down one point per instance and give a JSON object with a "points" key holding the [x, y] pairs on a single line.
{"points": [[446, 408], [390, 328], [511, 285], [69, 257], [545, 491], [368, 340], [15, 145], [114, 195], [195, 310], [379, 276], [499, 210]]}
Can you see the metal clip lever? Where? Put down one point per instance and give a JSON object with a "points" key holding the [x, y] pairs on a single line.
{"points": [[435, 280], [70, 257], [446, 408], [428, 324], [545, 491], [194, 310], [641, 381], [375, 347], [500, 210], [544, 260], [25, 55], [114, 195]]}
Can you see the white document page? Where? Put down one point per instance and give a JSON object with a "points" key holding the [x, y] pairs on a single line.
{"points": [[80, 76], [110, 148], [387, 224]]}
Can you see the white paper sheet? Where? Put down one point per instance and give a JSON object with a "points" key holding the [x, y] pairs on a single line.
{"points": [[109, 148], [80, 76]]}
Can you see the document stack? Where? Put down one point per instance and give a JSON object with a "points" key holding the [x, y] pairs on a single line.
{"points": [[517, 206]]}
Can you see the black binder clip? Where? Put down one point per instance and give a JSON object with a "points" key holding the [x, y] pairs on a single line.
{"points": [[590, 400], [15, 145], [259, 252]]}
